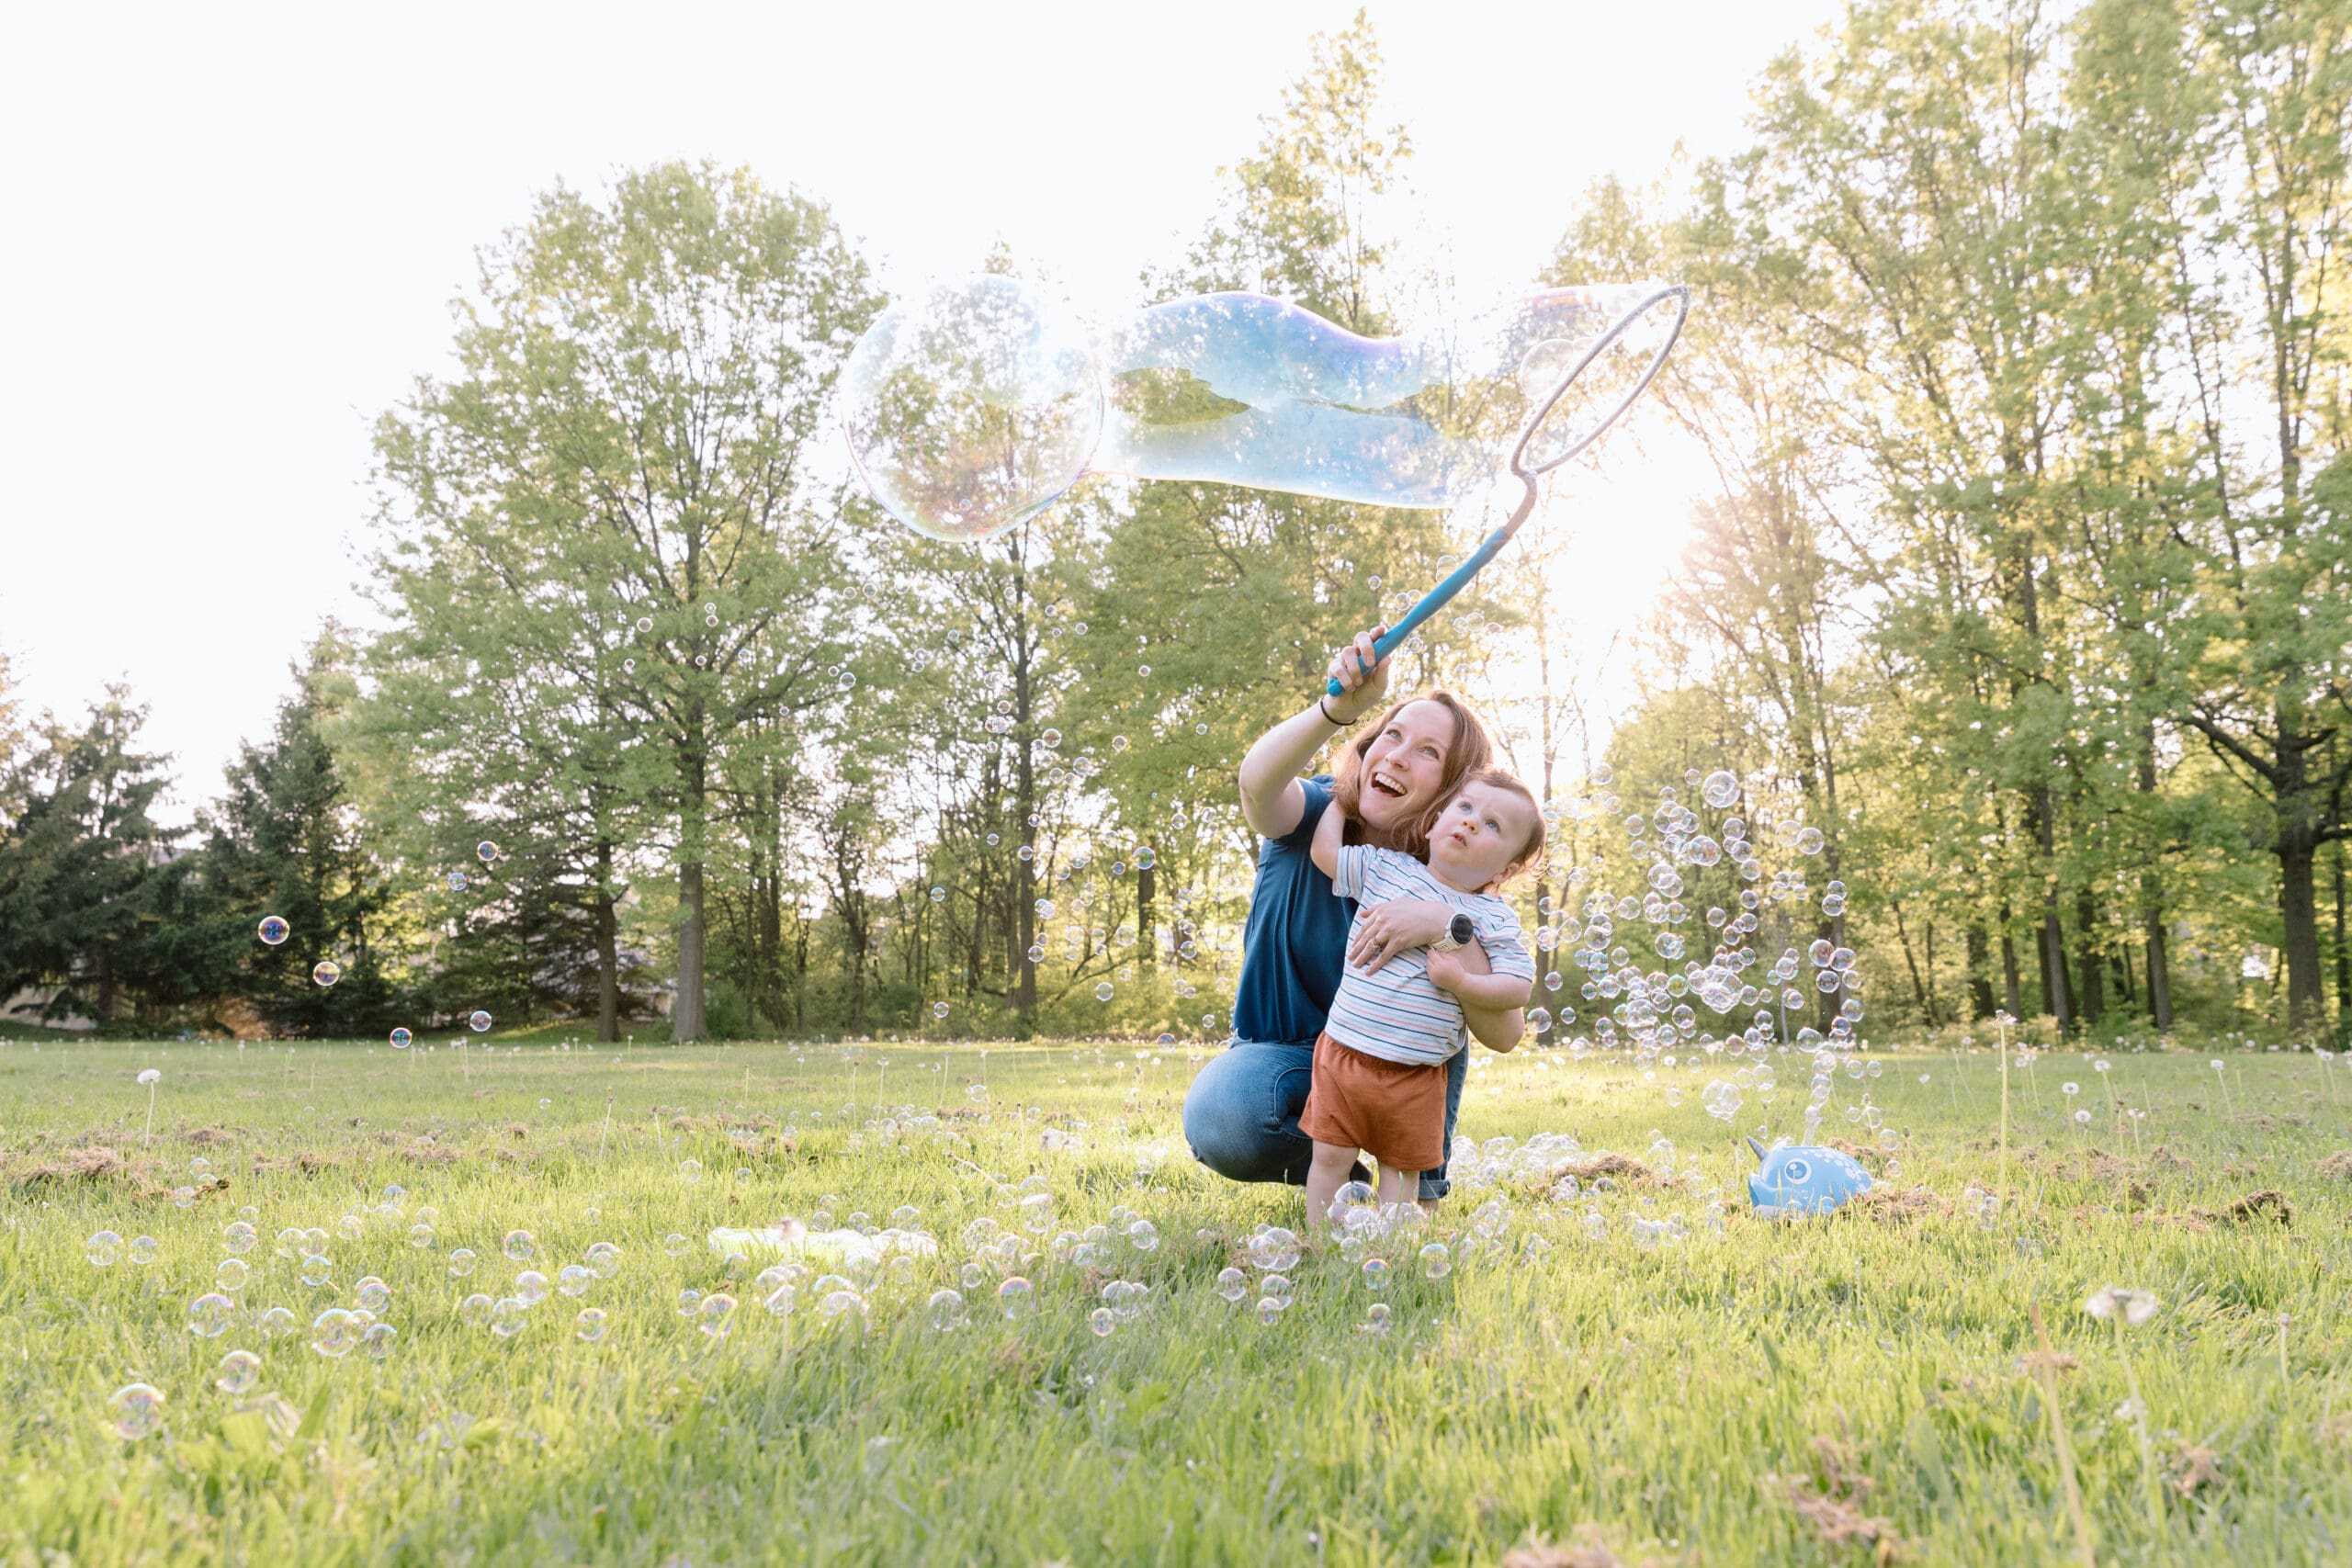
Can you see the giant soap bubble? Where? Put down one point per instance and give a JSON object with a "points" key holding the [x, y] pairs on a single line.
{"points": [[972, 407]]}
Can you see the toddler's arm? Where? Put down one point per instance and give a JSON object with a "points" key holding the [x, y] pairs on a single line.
{"points": [[1493, 993], [1330, 829]]}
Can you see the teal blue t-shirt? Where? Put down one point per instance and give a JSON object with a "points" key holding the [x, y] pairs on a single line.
{"points": [[1295, 944]]}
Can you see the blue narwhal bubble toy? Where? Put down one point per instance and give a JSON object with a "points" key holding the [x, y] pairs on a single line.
{"points": [[1798, 1180]]}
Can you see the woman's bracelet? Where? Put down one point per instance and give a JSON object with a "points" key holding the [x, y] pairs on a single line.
{"points": [[1323, 705]]}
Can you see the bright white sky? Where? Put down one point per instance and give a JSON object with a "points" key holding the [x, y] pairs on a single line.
{"points": [[235, 233]]}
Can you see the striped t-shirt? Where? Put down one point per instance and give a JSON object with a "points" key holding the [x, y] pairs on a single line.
{"points": [[1398, 1014]]}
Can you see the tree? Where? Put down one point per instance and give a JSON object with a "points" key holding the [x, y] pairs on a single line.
{"points": [[2258, 217], [285, 838], [626, 448], [78, 860]]}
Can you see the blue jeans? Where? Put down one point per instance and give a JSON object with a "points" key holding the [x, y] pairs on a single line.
{"points": [[1241, 1114]]}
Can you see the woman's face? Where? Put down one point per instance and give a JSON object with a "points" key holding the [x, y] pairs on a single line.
{"points": [[1405, 769]]}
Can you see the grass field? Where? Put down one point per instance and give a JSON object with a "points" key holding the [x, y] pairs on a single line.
{"points": [[1852, 1389]]}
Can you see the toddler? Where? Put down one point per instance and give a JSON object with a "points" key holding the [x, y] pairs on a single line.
{"points": [[1378, 1080]]}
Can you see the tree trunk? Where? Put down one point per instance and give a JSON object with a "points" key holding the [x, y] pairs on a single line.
{"points": [[2298, 934], [2012, 984], [2343, 954], [2091, 997], [1980, 1005], [608, 956], [1145, 884], [685, 1007]]}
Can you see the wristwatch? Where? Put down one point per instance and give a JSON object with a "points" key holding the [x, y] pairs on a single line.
{"points": [[1457, 933]]}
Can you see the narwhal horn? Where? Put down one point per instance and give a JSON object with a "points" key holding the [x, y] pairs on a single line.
{"points": [[1759, 1149]]}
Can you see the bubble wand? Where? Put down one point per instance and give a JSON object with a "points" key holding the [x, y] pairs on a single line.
{"points": [[1437, 598]]}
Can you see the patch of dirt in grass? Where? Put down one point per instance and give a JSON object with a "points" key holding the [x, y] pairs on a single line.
{"points": [[1895, 1205], [1621, 1168], [1831, 1499], [2267, 1204], [212, 1136], [1869, 1155], [2165, 1159], [2337, 1165], [1588, 1551], [2192, 1469], [93, 1163], [309, 1162]]}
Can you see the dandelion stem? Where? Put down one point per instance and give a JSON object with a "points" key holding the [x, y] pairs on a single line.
{"points": [[2140, 1426], [2005, 1111], [2046, 1365], [151, 1113]]}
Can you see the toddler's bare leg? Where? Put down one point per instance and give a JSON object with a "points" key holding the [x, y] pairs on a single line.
{"points": [[1325, 1173], [1399, 1186]]}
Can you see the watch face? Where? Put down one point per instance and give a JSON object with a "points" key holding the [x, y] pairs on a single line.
{"points": [[1462, 930]]}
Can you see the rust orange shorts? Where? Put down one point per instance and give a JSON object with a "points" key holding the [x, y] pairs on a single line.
{"points": [[1394, 1111]]}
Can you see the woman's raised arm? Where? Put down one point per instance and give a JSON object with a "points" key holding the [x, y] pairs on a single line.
{"points": [[1272, 801]]}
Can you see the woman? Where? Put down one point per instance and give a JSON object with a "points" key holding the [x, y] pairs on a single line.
{"points": [[1241, 1114]]}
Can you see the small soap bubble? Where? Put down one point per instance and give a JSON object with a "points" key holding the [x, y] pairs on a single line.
{"points": [[378, 1338], [478, 1021], [273, 931], [231, 1275], [278, 1323], [590, 1324], [142, 1249], [1015, 1297], [209, 1315], [402, 1039], [474, 1312], [530, 1287], [135, 1411], [461, 1262], [327, 972], [508, 1316], [690, 1171], [518, 1245], [103, 1248], [674, 1245], [334, 1333], [237, 1373]]}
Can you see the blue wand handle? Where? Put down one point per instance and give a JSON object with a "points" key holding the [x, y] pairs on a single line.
{"points": [[1437, 598]]}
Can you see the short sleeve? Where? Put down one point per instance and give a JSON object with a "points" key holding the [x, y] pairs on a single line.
{"points": [[1355, 867], [1316, 793], [1505, 943]]}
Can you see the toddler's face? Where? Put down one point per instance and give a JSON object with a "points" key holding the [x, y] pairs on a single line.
{"points": [[1475, 837]]}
